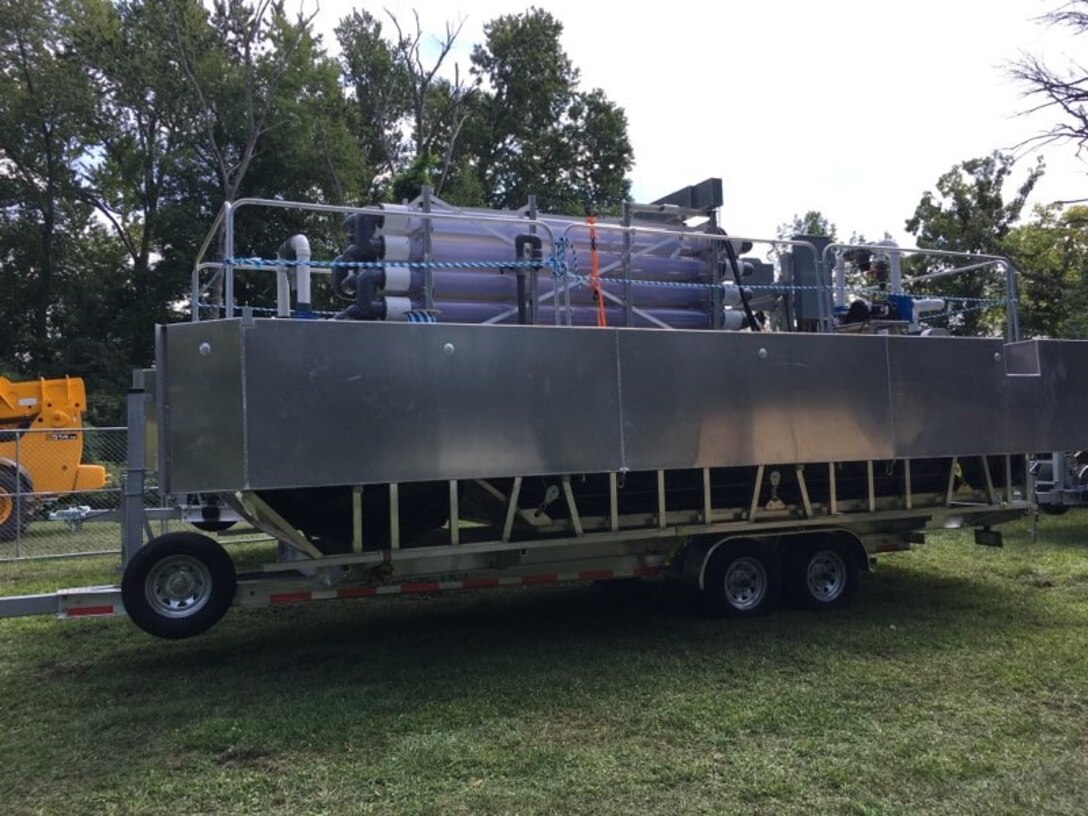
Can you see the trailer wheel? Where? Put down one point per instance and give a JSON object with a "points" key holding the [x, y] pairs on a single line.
{"points": [[15, 511], [822, 575], [741, 580], [178, 585]]}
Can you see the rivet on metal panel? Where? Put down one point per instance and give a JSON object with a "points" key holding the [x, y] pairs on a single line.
{"points": [[205, 349], [997, 356], [448, 348], [763, 354]]}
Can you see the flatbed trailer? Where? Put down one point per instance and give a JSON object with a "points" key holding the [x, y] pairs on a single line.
{"points": [[615, 547], [391, 452]]}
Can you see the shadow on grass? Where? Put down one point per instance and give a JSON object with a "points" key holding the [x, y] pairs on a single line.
{"points": [[498, 637], [607, 617]]}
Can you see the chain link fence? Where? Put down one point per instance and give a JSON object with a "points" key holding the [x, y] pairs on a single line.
{"points": [[61, 492]]}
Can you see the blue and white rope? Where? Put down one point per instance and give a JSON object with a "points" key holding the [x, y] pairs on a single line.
{"points": [[265, 262]]}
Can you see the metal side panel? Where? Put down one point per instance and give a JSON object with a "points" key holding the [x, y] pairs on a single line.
{"points": [[202, 411], [949, 396], [702, 399], [295, 403], [958, 396], [352, 403], [1061, 407]]}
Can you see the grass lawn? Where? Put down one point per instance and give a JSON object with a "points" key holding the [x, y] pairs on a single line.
{"points": [[957, 684]]}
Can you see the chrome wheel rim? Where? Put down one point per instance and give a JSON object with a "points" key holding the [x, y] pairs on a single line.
{"points": [[178, 586], [745, 583], [826, 576]]}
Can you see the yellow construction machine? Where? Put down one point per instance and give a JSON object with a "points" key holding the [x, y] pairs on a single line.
{"points": [[41, 448]]}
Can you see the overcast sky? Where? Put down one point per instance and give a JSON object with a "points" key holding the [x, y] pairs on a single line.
{"points": [[851, 108]]}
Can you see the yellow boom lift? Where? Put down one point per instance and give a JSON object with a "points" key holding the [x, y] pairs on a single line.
{"points": [[41, 447]]}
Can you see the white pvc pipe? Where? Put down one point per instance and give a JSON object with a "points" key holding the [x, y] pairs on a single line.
{"points": [[732, 320], [924, 305], [283, 290], [396, 219], [301, 247], [730, 295], [840, 280], [399, 248], [398, 280], [396, 307], [896, 268]]}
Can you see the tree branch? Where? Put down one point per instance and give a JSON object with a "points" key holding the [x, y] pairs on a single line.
{"points": [[100, 205], [206, 111], [255, 121]]}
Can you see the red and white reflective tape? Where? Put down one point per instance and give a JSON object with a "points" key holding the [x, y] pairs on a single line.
{"points": [[92, 602], [91, 611], [104, 602], [432, 587]]}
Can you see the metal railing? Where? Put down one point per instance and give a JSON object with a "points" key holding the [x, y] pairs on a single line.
{"points": [[826, 293], [228, 213], [552, 244], [834, 258]]}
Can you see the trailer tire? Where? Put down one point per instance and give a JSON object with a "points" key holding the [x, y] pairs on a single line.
{"points": [[741, 580], [178, 585], [822, 574], [15, 513]]}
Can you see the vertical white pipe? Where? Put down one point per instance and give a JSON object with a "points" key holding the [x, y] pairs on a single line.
{"points": [[840, 280], [283, 291], [895, 268], [302, 272]]}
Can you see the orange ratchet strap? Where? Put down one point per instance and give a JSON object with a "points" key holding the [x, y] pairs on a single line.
{"points": [[595, 273]]}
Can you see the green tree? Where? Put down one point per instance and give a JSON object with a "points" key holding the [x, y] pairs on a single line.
{"points": [[812, 222], [261, 84], [517, 125], [144, 141], [532, 131], [1051, 255], [270, 119], [410, 115], [378, 85], [96, 322], [45, 110], [969, 213]]}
